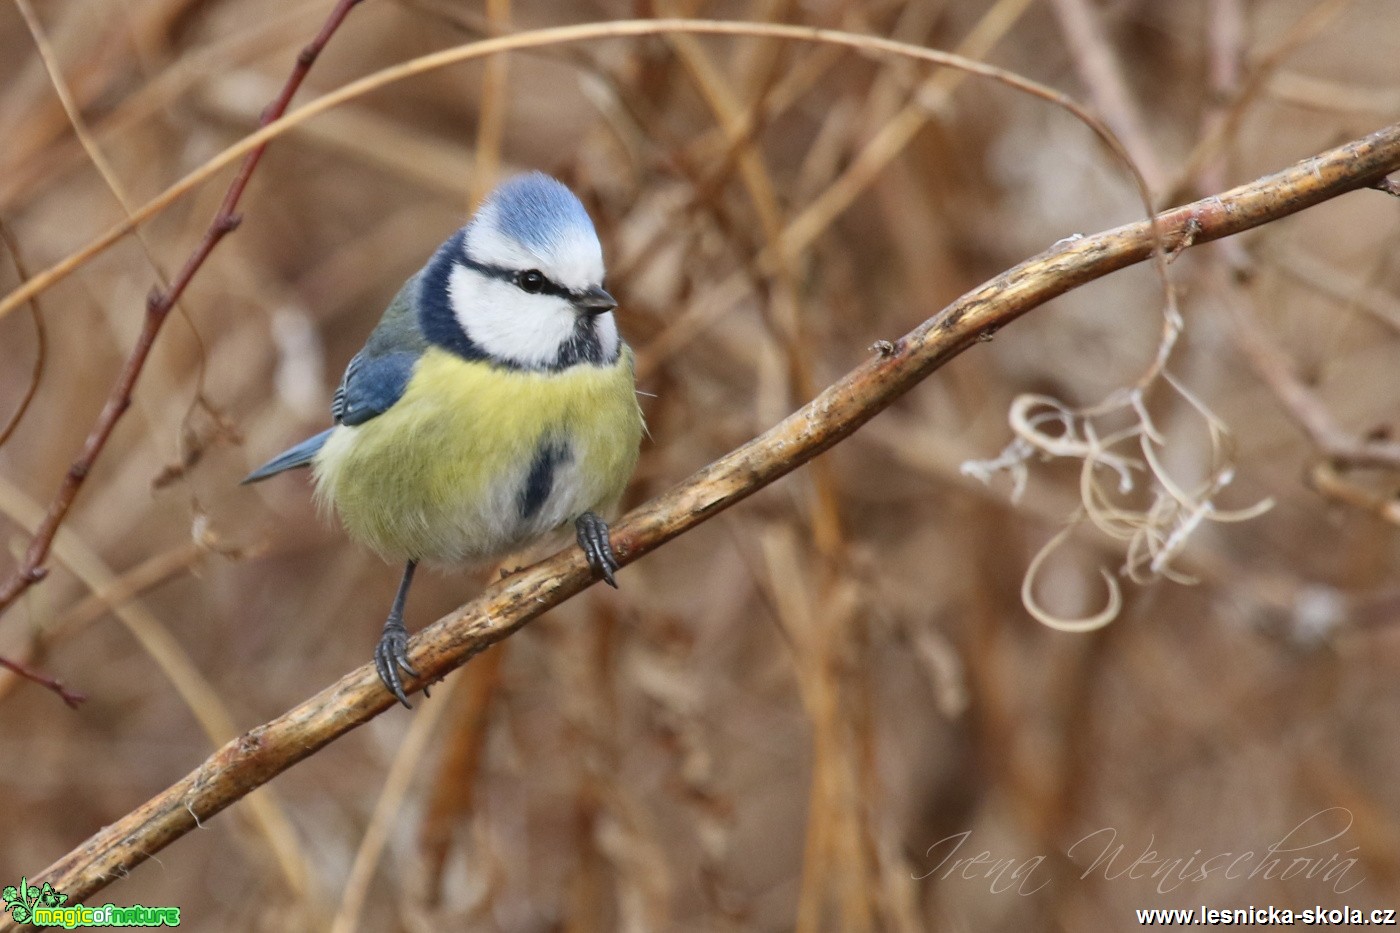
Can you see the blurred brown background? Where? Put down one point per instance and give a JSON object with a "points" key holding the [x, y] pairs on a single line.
{"points": [[787, 718]]}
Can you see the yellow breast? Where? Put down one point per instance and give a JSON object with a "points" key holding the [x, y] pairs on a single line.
{"points": [[443, 473]]}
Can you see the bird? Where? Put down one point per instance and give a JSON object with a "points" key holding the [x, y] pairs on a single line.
{"points": [[492, 407]]}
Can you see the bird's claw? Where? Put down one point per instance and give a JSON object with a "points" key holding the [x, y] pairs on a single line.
{"points": [[597, 547], [390, 656]]}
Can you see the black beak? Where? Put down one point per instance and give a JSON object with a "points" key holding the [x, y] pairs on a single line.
{"points": [[595, 301]]}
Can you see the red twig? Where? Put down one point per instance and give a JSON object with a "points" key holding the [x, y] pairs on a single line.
{"points": [[31, 568], [43, 680]]}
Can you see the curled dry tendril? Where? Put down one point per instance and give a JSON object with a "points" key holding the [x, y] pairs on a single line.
{"points": [[1155, 526]]}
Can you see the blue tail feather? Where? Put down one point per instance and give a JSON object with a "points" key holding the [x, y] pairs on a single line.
{"points": [[300, 455]]}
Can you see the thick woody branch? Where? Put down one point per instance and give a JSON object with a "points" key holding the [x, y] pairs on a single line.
{"points": [[267, 750]]}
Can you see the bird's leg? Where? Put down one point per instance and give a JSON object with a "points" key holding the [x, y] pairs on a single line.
{"points": [[593, 538], [392, 652]]}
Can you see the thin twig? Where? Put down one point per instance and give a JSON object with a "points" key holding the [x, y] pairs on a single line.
{"points": [[1306, 268], [158, 305], [1332, 483], [1335, 97], [265, 751], [43, 680], [18, 667], [899, 131], [1225, 74], [225, 55], [540, 38], [108, 173], [788, 316], [1302, 404], [1102, 75], [41, 337], [150, 573], [1225, 126]]}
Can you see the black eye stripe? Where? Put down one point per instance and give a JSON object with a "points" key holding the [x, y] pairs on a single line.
{"points": [[502, 274], [442, 328]]}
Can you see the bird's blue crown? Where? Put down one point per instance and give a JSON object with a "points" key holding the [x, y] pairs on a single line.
{"points": [[538, 212]]}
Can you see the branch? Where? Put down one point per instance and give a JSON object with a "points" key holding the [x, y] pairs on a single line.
{"points": [[74, 700], [536, 39], [1101, 73], [41, 338], [262, 753], [1341, 448], [31, 568], [16, 665]]}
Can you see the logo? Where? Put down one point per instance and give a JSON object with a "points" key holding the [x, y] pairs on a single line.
{"points": [[41, 905], [21, 901]]}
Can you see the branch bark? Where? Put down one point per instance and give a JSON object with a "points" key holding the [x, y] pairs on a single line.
{"points": [[256, 757]]}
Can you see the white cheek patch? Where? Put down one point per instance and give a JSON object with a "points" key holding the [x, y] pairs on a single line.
{"points": [[507, 323]]}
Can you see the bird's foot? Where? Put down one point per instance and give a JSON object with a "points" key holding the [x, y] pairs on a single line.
{"points": [[391, 655], [597, 547]]}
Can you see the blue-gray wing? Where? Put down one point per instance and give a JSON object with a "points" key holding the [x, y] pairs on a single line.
{"points": [[372, 384], [377, 376]]}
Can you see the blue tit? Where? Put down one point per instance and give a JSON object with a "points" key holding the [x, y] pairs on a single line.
{"points": [[494, 404]]}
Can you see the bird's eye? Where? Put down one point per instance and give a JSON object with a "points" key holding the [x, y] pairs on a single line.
{"points": [[531, 280]]}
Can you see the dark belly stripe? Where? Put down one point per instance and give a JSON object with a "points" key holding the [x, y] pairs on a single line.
{"points": [[540, 483]]}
